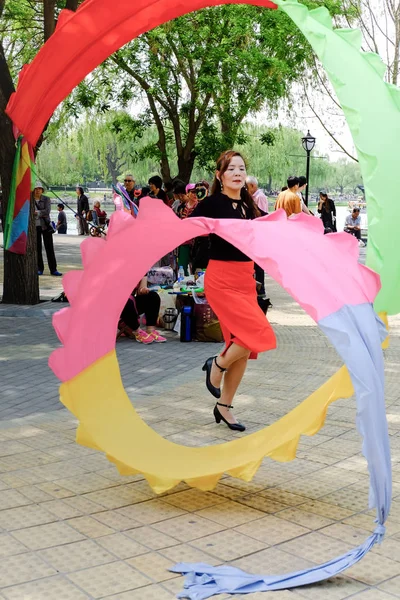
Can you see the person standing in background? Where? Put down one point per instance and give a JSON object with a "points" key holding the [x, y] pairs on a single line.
{"points": [[62, 219], [327, 210], [258, 195], [156, 191], [129, 184], [289, 200], [302, 186], [44, 230], [82, 207], [184, 211], [262, 202]]}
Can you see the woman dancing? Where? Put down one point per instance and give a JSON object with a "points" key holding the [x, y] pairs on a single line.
{"points": [[231, 289]]}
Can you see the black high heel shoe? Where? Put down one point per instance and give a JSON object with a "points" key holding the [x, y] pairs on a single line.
{"points": [[216, 392], [219, 418]]}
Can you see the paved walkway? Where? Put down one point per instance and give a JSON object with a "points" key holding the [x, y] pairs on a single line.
{"points": [[71, 528]]}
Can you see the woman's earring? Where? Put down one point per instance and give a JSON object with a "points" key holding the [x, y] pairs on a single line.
{"points": [[221, 184]]}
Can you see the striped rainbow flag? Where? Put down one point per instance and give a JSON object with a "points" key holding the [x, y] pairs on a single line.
{"points": [[17, 217]]}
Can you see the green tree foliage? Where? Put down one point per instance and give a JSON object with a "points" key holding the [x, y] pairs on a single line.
{"points": [[80, 154], [201, 76]]}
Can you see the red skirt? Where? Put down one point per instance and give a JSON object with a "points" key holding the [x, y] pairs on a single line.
{"points": [[230, 289]]}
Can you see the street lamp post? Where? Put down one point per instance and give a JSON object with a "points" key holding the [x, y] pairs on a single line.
{"points": [[308, 144]]}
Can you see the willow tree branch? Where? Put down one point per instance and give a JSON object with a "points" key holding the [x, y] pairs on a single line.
{"points": [[331, 135]]}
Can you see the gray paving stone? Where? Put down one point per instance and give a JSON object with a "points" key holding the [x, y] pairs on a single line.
{"points": [[59, 482]]}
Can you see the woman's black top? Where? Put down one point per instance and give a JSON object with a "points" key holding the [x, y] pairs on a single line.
{"points": [[328, 214], [220, 206]]}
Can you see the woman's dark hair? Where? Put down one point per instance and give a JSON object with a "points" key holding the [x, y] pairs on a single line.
{"points": [[302, 180], [222, 165], [156, 180], [81, 190], [180, 188], [168, 186], [324, 195]]}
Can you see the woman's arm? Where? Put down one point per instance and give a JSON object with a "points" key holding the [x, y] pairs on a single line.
{"points": [[45, 212], [142, 287]]}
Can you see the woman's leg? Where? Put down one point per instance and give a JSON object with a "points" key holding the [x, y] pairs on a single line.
{"points": [[49, 247], [149, 304], [39, 249], [130, 315], [232, 380], [226, 360]]}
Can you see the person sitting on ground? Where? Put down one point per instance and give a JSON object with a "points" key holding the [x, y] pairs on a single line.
{"points": [[353, 223], [289, 200], [156, 191], [258, 195], [101, 214], [62, 219], [142, 300], [327, 210]]}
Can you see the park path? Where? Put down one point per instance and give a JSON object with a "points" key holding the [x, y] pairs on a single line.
{"points": [[72, 528]]}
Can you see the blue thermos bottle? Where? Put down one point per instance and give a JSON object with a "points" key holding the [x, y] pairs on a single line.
{"points": [[186, 324]]}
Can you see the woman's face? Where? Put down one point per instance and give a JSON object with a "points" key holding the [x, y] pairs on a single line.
{"points": [[153, 188], [234, 177], [78, 192]]}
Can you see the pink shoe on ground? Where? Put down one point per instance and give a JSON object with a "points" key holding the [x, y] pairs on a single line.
{"points": [[157, 337], [144, 338]]}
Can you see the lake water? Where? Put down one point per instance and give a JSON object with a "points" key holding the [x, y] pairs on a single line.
{"points": [[341, 214]]}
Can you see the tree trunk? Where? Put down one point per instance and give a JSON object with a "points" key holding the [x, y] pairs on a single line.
{"points": [[49, 18], [185, 167], [21, 284], [164, 162], [72, 4], [269, 182], [113, 163], [21, 281]]}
